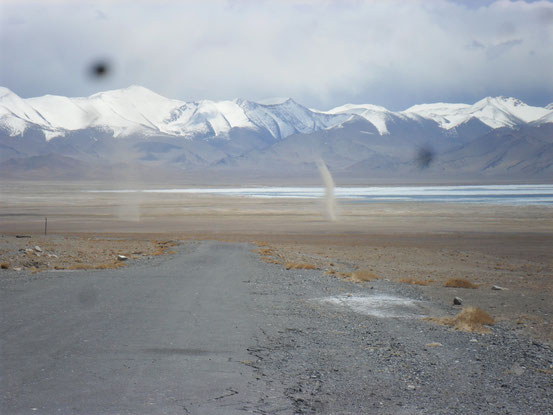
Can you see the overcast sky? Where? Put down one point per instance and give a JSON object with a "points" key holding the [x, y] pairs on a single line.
{"points": [[321, 53]]}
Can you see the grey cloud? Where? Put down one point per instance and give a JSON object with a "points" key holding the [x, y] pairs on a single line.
{"points": [[495, 51], [322, 53], [545, 15], [100, 15], [475, 45]]}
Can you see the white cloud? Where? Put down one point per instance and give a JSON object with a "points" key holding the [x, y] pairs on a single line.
{"points": [[322, 53]]}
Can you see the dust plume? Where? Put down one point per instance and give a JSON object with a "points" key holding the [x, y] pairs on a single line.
{"points": [[330, 200]]}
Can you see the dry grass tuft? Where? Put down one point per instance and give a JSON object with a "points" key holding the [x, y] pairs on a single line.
{"points": [[546, 371], [163, 246], [459, 283], [264, 251], [267, 255], [415, 282], [269, 260], [111, 265], [4, 265], [298, 265], [363, 276], [470, 319]]}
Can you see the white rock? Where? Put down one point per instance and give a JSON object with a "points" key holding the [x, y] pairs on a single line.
{"points": [[122, 258], [498, 288], [38, 248]]}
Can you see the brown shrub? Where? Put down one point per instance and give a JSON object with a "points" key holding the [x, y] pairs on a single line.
{"points": [[470, 319], [298, 265], [269, 260], [363, 275], [546, 371], [415, 282], [459, 283], [264, 251], [4, 265], [111, 265]]}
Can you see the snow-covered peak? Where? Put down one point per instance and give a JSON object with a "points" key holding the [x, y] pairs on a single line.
{"points": [[288, 117], [379, 116], [493, 111], [355, 109], [438, 108], [15, 113], [549, 107], [506, 110]]}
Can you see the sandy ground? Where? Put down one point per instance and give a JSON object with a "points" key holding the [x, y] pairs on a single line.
{"points": [[409, 243]]}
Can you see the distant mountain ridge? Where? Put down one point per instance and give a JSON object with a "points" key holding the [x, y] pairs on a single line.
{"points": [[139, 129], [138, 110]]}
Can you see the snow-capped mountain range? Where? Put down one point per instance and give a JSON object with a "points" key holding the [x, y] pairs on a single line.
{"points": [[138, 111], [135, 131]]}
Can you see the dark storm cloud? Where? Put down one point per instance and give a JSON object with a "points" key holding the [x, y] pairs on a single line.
{"points": [[322, 53]]}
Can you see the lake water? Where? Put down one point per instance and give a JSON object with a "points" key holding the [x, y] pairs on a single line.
{"points": [[492, 194]]}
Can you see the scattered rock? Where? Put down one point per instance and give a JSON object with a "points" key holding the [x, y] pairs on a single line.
{"points": [[18, 269], [411, 387], [38, 248], [498, 288], [473, 340], [122, 258], [434, 344], [458, 301]]}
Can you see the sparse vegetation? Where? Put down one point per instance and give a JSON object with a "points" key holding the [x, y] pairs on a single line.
{"points": [[267, 255], [111, 265], [459, 283], [470, 319], [296, 265], [415, 281], [4, 265], [363, 276]]}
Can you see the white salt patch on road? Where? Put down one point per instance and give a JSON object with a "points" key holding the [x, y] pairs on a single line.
{"points": [[379, 305]]}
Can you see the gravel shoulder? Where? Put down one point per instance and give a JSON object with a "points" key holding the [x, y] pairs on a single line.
{"points": [[334, 358]]}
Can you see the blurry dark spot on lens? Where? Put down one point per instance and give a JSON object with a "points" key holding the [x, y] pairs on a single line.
{"points": [[99, 69], [424, 158]]}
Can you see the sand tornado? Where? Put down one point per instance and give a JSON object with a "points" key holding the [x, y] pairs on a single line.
{"points": [[330, 201]]}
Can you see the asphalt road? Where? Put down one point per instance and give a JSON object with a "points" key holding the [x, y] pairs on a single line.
{"points": [[214, 330], [169, 336]]}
